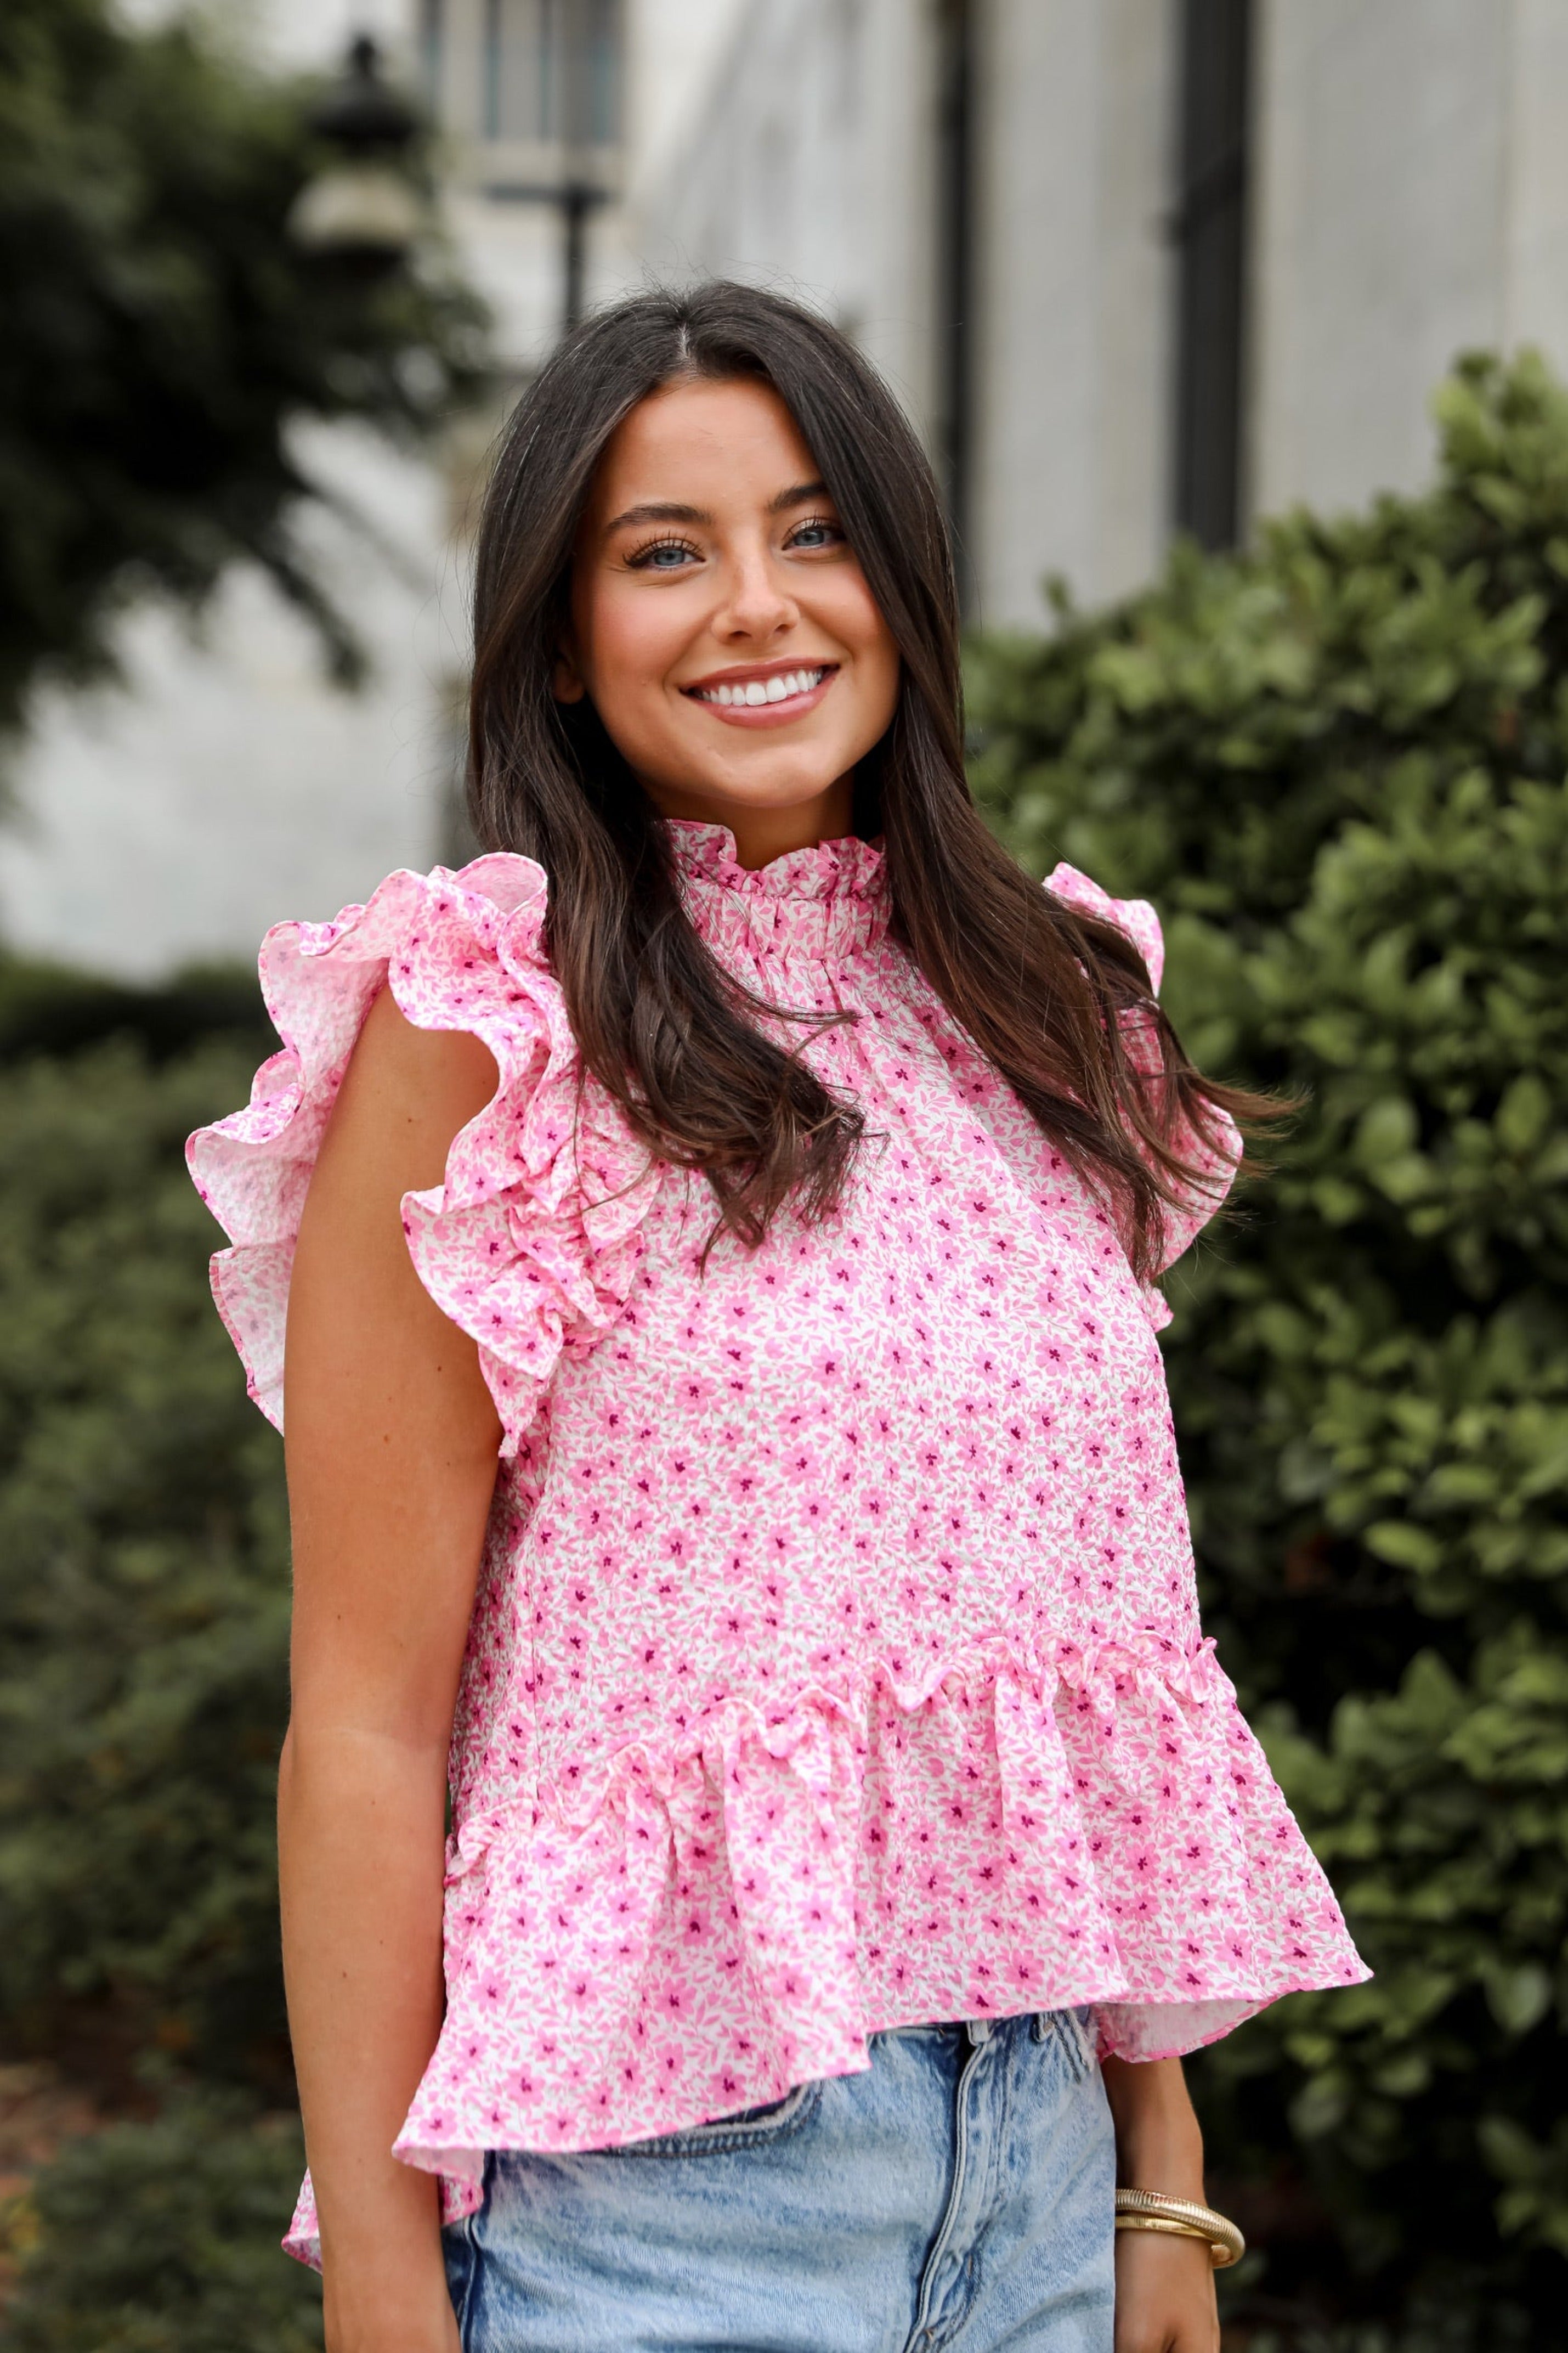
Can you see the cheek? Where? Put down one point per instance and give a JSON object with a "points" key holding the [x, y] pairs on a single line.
{"points": [[876, 649], [632, 642]]}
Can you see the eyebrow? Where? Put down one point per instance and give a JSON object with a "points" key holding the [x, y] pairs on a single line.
{"points": [[799, 494]]}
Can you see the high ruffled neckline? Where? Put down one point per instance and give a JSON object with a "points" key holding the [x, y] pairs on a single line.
{"points": [[829, 900]]}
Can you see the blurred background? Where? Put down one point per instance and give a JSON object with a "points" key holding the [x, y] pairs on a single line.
{"points": [[1233, 328]]}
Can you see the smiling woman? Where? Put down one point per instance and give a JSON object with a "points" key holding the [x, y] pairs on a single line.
{"points": [[732, 649], [724, 1413], [661, 456]]}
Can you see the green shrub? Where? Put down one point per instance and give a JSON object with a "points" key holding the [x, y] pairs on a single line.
{"points": [[1336, 762], [51, 1008], [143, 1600], [162, 2237], [143, 1585]]}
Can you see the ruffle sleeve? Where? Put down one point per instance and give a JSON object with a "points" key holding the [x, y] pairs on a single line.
{"points": [[531, 1242], [1214, 1163]]}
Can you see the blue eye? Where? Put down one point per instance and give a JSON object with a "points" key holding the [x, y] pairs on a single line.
{"points": [[817, 532], [662, 555]]}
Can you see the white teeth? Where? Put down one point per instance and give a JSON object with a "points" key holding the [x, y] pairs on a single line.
{"points": [[777, 689]]}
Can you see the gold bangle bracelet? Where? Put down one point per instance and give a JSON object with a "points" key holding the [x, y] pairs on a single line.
{"points": [[1182, 2217]]}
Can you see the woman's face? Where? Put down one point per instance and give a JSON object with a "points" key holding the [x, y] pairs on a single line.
{"points": [[721, 623]]}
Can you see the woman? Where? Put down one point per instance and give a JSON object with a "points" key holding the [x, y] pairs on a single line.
{"points": [[724, 1410]]}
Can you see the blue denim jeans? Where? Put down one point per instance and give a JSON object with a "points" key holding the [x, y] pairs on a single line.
{"points": [[959, 2192]]}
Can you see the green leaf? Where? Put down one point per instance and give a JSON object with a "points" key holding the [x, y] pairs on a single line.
{"points": [[1524, 1113], [1518, 1997], [1405, 1545]]}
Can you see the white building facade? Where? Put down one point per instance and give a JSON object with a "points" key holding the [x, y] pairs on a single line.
{"points": [[1138, 264], [1132, 264]]}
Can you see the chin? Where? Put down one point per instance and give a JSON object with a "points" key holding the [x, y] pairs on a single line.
{"points": [[771, 789], [781, 793]]}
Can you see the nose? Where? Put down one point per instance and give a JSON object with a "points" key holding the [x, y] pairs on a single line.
{"points": [[756, 604]]}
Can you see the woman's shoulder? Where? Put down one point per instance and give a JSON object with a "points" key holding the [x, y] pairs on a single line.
{"points": [[530, 1237], [410, 1084], [444, 938], [1136, 917], [433, 972]]}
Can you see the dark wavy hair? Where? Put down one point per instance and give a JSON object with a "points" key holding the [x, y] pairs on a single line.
{"points": [[1050, 994]]}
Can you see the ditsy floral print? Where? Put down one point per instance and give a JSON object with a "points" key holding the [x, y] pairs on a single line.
{"points": [[836, 1662]]}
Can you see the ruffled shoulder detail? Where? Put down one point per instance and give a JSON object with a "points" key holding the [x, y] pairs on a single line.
{"points": [[531, 1242], [1136, 917], [1216, 1162]]}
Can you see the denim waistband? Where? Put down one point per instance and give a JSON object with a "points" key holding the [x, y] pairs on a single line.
{"points": [[980, 2029]]}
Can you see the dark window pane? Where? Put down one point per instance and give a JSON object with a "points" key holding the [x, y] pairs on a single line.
{"points": [[1210, 228], [432, 28], [552, 69]]}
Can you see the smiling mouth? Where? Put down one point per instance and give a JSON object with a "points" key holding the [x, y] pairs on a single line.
{"points": [[757, 694]]}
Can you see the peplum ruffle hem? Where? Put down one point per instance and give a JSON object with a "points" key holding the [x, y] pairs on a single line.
{"points": [[757, 1884]]}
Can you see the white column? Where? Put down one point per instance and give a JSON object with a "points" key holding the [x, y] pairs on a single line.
{"points": [[1535, 304], [1382, 143], [1071, 458]]}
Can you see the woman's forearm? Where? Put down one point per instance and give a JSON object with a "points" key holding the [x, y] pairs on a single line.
{"points": [[391, 1447], [1159, 2145], [359, 1851], [1165, 2286]]}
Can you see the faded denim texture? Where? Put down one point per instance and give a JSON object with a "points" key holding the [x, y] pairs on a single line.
{"points": [[959, 2192]]}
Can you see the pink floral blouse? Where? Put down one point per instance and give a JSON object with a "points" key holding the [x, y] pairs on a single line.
{"points": [[836, 1664]]}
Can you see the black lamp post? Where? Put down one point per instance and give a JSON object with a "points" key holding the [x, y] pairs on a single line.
{"points": [[575, 196], [572, 193], [575, 200], [362, 209]]}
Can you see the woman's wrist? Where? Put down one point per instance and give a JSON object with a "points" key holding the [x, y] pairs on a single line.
{"points": [[384, 2267], [1158, 2142], [392, 2300], [1168, 2161]]}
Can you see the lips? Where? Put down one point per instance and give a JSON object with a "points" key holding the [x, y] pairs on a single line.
{"points": [[763, 694], [761, 685]]}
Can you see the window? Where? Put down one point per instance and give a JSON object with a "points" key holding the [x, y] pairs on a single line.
{"points": [[551, 71], [956, 154], [1210, 228], [430, 33]]}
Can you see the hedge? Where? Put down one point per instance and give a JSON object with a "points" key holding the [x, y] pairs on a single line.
{"points": [[1336, 762], [143, 1603]]}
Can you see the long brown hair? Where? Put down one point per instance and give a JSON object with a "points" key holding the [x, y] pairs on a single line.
{"points": [[1047, 994]]}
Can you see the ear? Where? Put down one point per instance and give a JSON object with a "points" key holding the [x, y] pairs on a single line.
{"points": [[567, 683]]}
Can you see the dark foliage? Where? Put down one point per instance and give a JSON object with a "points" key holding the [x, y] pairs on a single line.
{"points": [[1337, 764], [144, 1598], [46, 1008], [161, 2238], [163, 334], [144, 1589]]}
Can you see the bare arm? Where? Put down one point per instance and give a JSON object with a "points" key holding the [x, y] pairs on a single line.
{"points": [[1164, 2287], [391, 1450]]}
